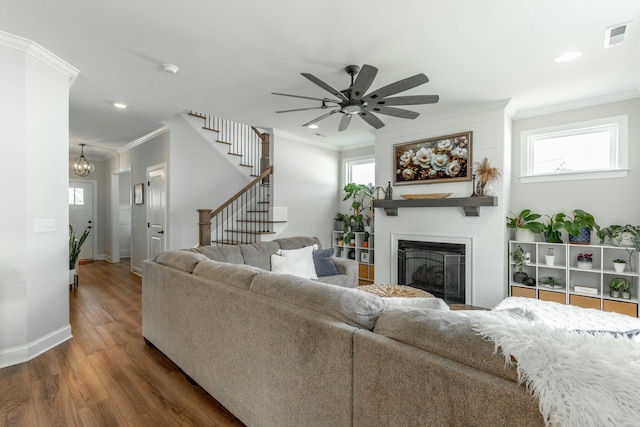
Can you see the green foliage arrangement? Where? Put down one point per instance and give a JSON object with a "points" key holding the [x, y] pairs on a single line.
{"points": [[553, 227], [75, 246], [580, 219], [526, 219]]}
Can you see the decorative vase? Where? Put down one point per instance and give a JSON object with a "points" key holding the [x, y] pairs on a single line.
{"points": [[525, 235], [626, 295], [388, 192], [584, 238], [614, 294], [365, 244], [585, 263], [619, 266], [550, 259]]}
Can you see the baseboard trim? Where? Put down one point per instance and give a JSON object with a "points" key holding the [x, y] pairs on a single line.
{"points": [[24, 353], [136, 270]]}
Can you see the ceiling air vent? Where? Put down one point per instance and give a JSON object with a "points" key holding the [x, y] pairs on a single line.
{"points": [[615, 35]]}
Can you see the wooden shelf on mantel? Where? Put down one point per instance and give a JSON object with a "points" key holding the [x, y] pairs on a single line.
{"points": [[471, 205]]}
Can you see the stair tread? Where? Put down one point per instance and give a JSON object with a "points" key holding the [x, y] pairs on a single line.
{"points": [[193, 113], [223, 142], [211, 129], [250, 232], [258, 221]]}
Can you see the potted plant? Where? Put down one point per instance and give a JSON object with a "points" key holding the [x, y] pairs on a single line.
{"points": [[619, 265], [360, 196], [340, 222], [525, 225], [614, 287], [365, 240], [552, 282], [625, 288], [550, 258], [622, 235], [75, 246], [552, 228], [585, 261], [579, 227], [519, 257]]}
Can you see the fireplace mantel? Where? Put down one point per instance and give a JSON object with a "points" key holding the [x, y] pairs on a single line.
{"points": [[471, 205]]}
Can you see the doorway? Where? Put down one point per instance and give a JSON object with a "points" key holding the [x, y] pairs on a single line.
{"points": [[82, 214], [156, 210]]}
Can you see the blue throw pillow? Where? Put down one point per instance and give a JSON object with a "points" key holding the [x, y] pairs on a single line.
{"points": [[324, 262]]}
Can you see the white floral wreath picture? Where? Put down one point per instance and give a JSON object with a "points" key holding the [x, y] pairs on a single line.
{"points": [[442, 159]]}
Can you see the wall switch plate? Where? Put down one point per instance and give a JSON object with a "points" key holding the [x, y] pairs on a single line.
{"points": [[44, 225]]}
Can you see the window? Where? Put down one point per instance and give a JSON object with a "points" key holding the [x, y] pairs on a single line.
{"points": [[361, 171], [76, 196], [586, 150]]}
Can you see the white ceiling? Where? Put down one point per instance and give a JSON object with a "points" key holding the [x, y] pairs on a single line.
{"points": [[233, 54]]}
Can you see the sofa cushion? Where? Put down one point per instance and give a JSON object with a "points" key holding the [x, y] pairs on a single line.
{"points": [[238, 275], [292, 265], [287, 243], [301, 263], [351, 306], [259, 254], [222, 253], [182, 260], [323, 261], [445, 333]]}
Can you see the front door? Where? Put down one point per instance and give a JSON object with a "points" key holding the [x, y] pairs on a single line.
{"points": [[156, 214], [81, 214]]}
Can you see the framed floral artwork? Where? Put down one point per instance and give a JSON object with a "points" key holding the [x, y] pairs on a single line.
{"points": [[441, 159]]}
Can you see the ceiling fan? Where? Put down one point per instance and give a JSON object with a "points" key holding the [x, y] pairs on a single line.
{"points": [[355, 100]]}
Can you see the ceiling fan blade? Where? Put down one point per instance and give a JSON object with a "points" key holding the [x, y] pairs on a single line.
{"points": [[307, 97], [395, 112], [325, 86], [303, 109], [370, 118], [408, 100], [344, 122], [322, 117], [399, 86], [363, 81]]}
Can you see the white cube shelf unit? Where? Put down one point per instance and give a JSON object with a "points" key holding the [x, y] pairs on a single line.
{"points": [[575, 284], [360, 251]]}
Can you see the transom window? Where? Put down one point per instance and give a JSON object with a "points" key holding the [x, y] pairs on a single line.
{"points": [[585, 150]]}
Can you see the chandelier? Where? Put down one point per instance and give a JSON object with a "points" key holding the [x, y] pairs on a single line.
{"points": [[81, 166]]}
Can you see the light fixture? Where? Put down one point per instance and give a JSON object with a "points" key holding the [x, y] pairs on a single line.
{"points": [[120, 105], [170, 68], [313, 126], [81, 166], [571, 55]]}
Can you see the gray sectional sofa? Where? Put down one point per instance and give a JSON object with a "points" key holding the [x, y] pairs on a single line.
{"points": [[280, 350]]}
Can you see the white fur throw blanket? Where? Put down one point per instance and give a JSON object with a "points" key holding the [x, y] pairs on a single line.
{"points": [[580, 377]]}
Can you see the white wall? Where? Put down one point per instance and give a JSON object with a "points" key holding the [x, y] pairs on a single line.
{"points": [[488, 231], [611, 201], [34, 287], [305, 181]]}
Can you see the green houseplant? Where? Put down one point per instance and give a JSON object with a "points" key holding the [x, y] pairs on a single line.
{"points": [[553, 226], [618, 285], [621, 235], [579, 226], [360, 196], [75, 246], [525, 225], [519, 257]]}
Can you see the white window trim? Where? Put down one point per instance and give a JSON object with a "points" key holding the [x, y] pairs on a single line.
{"points": [[622, 149], [371, 158]]}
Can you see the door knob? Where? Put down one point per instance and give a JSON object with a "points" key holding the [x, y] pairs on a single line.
{"points": [[161, 232]]}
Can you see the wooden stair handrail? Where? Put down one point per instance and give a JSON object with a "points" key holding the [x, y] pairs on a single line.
{"points": [[246, 188]]}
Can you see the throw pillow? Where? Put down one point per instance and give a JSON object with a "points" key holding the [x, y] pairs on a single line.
{"points": [[323, 261], [303, 256], [298, 266]]}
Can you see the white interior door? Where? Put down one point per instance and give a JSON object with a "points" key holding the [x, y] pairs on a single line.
{"points": [[81, 214], [156, 213]]}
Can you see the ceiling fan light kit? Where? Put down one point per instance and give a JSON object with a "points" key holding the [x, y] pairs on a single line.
{"points": [[355, 101]]}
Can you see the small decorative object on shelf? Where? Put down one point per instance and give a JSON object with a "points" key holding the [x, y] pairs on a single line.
{"points": [[618, 285], [552, 282], [486, 176], [585, 261], [529, 281], [550, 258], [619, 265], [388, 193], [473, 186], [519, 260], [586, 290]]}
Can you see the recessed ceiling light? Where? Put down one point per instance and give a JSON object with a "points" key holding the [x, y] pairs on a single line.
{"points": [[120, 105], [571, 55], [313, 126], [170, 68]]}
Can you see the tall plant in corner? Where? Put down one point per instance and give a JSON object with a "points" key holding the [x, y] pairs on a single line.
{"points": [[75, 246], [360, 196]]}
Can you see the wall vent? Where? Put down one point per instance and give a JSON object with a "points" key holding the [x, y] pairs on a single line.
{"points": [[615, 35]]}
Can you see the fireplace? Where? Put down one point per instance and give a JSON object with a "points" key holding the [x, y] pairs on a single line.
{"points": [[436, 267]]}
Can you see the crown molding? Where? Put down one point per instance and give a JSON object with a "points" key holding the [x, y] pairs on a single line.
{"points": [[143, 139], [34, 49]]}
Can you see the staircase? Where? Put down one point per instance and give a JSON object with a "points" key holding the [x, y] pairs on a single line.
{"points": [[246, 217]]}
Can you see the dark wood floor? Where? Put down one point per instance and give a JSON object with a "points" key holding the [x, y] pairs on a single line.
{"points": [[105, 375]]}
